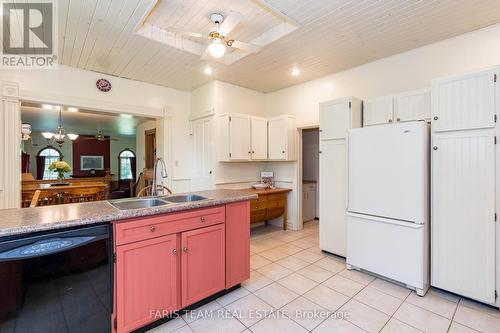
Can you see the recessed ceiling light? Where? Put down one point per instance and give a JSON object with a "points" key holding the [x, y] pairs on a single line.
{"points": [[72, 109], [295, 71], [208, 70]]}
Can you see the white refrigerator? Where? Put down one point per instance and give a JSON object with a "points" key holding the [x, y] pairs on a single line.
{"points": [[388, 202]]}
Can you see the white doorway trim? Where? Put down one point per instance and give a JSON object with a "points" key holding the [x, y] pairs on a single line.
{"points": [[300, 167]]}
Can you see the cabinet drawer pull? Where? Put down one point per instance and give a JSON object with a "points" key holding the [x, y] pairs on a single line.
{"points": [[184, 249], [174, 252], [202, 219], [152, 228], [390, 120]]}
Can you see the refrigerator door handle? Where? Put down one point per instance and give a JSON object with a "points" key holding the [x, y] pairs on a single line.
{"points": [[408, 224], [347, 172]]}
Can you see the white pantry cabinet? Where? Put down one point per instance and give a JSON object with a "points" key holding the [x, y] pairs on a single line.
{"points": [[464, 102], [336, 117], [281, 138], [247, 138], [465, 236], [259, 138]]}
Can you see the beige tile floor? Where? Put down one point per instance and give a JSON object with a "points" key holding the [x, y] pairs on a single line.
{"points": [[294, 287]]}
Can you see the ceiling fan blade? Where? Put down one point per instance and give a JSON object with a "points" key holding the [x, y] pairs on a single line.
{"points": [[251, 48], [230, 22], [187, 33], [205, 55]]}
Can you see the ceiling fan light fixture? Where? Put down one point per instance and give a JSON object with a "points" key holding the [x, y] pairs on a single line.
{"points": [[72, 137], [217, 48]]}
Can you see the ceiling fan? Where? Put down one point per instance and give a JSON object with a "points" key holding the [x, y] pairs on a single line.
{"points": [[101, 137], [218, 36]]}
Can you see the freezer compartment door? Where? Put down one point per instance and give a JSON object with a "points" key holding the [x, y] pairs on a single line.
{"points": [[388, 170], [393, 249]]}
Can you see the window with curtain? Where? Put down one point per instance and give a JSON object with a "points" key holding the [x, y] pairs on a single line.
{"points": [[127, 164], [49, 155]]}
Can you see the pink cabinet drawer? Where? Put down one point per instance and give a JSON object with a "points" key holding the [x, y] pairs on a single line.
{"points": [[133, 230]]}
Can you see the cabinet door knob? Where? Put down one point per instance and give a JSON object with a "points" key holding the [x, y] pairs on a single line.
{"points": [[398, 119], [174, 252], [282, 151], [152, 228], [184, 249], [202, 219], [436, 117], [390, 120], [256, 206], [435, 148], [320, 151]]}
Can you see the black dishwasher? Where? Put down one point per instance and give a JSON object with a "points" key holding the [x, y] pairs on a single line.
{"points": [[58, 281]]}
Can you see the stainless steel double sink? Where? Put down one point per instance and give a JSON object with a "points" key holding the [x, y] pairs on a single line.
{"points": [[148, 202]]}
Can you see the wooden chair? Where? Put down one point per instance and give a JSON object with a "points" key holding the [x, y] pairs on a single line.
{"points": [[84, 195], [146, 191], [43, 198]]}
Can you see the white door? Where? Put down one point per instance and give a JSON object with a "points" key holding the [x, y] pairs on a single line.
{"points": [[378, 110], [463, 208], [259, 139], [464, 102], [277, 139], [387, 168], [239, 137], [332, 173], [413, 105], [334, 119], [202, 154]]}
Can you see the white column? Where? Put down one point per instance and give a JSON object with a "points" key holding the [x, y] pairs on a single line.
{"points": [[10, 146]]}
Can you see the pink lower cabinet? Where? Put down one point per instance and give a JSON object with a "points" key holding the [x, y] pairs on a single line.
{"points": [[237, 243], [203, 263], [146, 281]]}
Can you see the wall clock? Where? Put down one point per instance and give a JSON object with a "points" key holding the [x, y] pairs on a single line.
{"points": [[103, 85]]}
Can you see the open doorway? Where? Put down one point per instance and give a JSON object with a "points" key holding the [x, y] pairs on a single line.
{"points": [[98, 149], [310, 175]]}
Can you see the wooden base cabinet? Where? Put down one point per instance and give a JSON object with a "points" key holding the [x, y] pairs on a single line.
{"points": [[141, 268]]}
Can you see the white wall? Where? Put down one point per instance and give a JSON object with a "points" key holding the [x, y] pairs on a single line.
{"points": [[216, 98], [406, 71], [75, 87]]}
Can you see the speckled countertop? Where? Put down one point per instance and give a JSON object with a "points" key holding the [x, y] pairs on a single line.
{"points": [[27, 220]]}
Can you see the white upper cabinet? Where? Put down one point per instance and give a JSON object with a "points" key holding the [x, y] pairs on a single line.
{"points": [[337, 116], [246, 138], [464, 102], [379, 110], [281, 138], [234, 137], [413, 105], [259, 139]]}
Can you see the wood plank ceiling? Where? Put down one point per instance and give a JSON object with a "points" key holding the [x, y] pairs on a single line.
{"points": [[334, 35]]}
